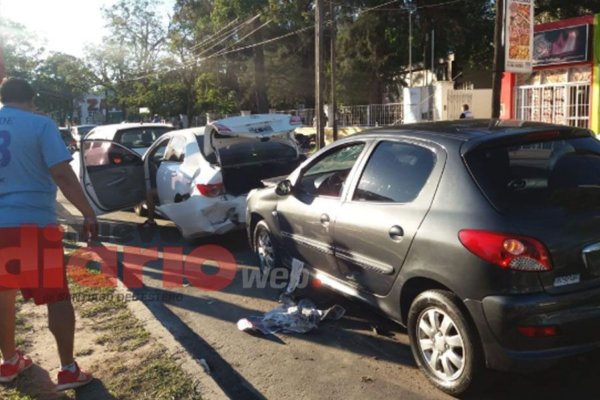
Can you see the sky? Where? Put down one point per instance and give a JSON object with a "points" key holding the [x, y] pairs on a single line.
{"points": [[66, 25]]}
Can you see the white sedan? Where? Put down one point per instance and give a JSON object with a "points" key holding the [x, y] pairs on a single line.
{"points": [[202, 175]]}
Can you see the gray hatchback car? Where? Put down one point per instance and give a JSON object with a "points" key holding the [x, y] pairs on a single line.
{"points": [[481, 237]]}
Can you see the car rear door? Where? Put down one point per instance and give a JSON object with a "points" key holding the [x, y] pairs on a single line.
{"points": [[376, 225], [112, 176]]}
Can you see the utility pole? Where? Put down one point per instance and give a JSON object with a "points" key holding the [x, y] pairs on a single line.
{"points": [[410, 47], [333, 111], [319, 74], [498, 58]]}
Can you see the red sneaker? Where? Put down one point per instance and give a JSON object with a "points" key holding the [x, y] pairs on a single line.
{"points": [[71, 380], [8, 372]]}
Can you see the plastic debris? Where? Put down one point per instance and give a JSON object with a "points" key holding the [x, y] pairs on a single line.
{"points": [[297, 267], [291, 318], [204, 365]]}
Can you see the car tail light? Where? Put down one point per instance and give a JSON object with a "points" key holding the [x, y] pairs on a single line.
{"points": [[295, 120], [211, 190], [538, 331], [513, 252]]}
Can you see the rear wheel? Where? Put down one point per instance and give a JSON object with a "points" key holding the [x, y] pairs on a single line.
{"points": [[264, 246], [444, 344]]}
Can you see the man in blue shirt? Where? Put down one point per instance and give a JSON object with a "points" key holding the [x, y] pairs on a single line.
{"points": [[33, 161]]}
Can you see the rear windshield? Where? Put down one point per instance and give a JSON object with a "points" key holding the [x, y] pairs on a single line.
{"points": [[249, 151], [138, 138], [82, 130], [538, 176]]}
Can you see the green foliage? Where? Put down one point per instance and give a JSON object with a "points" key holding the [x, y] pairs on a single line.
{"points": [[553, 10], [21, 53], [211, 57]]}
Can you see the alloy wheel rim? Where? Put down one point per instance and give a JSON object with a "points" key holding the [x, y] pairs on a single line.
{"points": [[266, 253], [441, 344]]}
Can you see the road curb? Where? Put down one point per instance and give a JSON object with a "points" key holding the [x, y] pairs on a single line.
{"points": [[208, 388]]}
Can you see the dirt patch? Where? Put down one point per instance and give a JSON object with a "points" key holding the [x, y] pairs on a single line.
{"points": [[110, 343]]}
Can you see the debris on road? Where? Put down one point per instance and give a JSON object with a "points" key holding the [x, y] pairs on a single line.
{"points": [[204, 365], [291, 318]]}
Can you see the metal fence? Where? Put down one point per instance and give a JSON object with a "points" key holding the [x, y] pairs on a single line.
{"points": [[567, 103], [364, 115]]}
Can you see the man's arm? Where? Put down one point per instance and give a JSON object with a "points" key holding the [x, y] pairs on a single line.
{"points": [[67, 181]]}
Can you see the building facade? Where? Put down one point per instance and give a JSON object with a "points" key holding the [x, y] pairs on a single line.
{"points": [[564, 86]]}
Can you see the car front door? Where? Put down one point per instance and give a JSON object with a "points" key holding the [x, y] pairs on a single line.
{"points": [[376, 225], [306, 217], [112, 176]]}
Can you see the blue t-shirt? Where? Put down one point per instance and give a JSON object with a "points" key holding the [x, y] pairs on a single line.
{"points": [[30, 145]]}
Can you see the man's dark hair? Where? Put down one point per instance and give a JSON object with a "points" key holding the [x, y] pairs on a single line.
{"points": [[465, 107], [16, 90]]}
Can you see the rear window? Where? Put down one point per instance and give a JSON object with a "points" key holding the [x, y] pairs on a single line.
{"points": [[137, 138], [82, 130], [537, 176]]}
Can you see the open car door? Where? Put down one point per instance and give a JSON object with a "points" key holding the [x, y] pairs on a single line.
{"points": [[112, 175]]}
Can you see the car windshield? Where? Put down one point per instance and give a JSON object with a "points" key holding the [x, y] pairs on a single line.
{"points": [[539, 176], [141, 137]]}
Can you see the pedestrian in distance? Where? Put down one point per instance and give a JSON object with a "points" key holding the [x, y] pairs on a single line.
{"points": [[33, 162], [466, 112]]}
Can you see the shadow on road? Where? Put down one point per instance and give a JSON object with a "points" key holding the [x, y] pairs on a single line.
{"points": [[362, 331]]}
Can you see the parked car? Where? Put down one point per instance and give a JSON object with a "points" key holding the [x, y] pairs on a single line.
{"points": [[483, 240], [202, 174], [67, 137], [79, 131], [135, 136]]}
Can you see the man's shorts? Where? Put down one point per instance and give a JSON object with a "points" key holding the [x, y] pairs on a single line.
{"points": [[32, 260]]}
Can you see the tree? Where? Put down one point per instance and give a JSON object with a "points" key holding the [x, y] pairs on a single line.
{"points": [[127, 62], [61, 80], [21, 53], [225, 11], [552, 10]]}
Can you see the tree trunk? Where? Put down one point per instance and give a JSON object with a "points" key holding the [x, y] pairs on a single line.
{"points": [[260, 84]]}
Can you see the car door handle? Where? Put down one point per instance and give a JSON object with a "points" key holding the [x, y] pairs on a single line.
{"points": [[396, 232], [324, 219]]}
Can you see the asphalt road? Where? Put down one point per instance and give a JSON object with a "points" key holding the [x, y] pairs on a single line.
{"points": [[361, 356]]}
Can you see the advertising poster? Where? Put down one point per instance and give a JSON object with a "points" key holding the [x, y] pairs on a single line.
{"points": [[561, 46], [519, 36]]}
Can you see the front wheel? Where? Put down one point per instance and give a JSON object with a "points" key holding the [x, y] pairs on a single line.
{"points": [[264, 246], [444, 343]]}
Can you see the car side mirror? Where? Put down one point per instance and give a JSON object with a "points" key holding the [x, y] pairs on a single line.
{"points": [[284, 188]]}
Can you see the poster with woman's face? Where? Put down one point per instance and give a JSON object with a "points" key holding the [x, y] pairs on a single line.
{"points": [[560, 46]]}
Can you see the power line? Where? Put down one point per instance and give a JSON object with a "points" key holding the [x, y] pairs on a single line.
{"points": [[223, 52], [229, 34], [248, 35]]}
